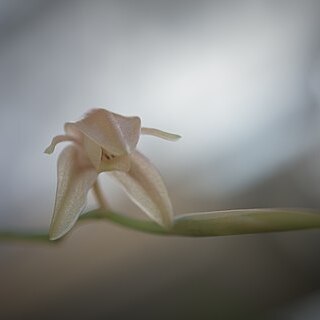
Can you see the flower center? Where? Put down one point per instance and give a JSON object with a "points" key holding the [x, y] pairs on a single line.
{"points": [[107, 156]]}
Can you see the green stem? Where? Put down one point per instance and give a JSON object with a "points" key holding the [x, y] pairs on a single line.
{"points": [[218, 223], [6, 236], [131, 223]]}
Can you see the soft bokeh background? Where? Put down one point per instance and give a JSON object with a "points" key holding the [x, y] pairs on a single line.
{"points": [[239, 80]]}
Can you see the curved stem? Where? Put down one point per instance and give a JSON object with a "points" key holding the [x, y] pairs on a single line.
{"points": [[101, 214], [131, 223], [23, 236], [210, 224]]}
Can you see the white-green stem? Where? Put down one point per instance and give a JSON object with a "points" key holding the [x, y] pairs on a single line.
{"points": [[219, 223]]}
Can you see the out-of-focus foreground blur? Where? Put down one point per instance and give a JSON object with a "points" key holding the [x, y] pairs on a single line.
{"points": [[239, 80]]}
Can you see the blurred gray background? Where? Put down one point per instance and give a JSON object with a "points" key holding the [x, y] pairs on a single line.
{"points": [[239, 80]]}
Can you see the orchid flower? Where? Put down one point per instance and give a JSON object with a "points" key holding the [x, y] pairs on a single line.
{"points": [[103, 141]]}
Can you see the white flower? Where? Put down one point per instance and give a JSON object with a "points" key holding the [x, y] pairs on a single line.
{"points": [[106, 141]]}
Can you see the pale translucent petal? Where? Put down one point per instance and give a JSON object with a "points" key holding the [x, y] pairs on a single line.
{"points": [[75, 177], [114, 133], [119, 163], [56, 140], [244, 221], [145, 187], [93, 151], [72, 131], [160, 134]]}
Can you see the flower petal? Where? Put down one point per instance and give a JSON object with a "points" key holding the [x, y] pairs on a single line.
{"points": [[145, 187], [93, 151], [56, 140], [160, 134], [73, 131], [75, 177], [114, 133]]}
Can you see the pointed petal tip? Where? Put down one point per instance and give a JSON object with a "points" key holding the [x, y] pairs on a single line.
{"points": [[166, 219], [160, 134], [57, 139], [49, 150], [56, 233], [53, 237], [167, 224], [176, 137]]}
